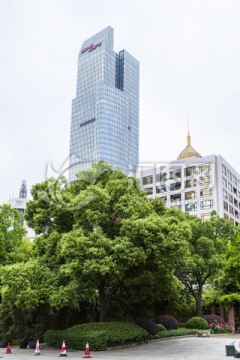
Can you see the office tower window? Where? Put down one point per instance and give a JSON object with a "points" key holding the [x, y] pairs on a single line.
{"points": [[175, 197], [148, 191], [206, 192], [224, 170], [161, 177], [205, 168], [191, 207], [147, 180], [190, 183], [206, 204], [161, 188], [225, 205], [224, 181], [190, 195], [205, 180], [206, 216], [189, 171], [229, 174]]}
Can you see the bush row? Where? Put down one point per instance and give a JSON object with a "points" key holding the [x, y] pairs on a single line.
{"points": [[99, 335], [104, 335]]}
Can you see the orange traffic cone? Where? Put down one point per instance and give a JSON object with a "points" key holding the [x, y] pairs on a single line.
{"points": [[87, 351], [8, 350], [37, 349], [63, 349]]}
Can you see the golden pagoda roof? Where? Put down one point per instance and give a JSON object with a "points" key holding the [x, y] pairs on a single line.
{"points": [[188, 151]]}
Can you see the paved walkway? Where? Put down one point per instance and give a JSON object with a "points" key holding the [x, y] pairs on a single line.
{"points": [[187, 348]]}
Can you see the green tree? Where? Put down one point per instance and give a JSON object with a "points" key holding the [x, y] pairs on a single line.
{"points": [[208, 246], [115, 238]]}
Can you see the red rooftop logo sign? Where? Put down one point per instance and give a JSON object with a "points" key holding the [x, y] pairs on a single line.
{"points": [[91, 47]]}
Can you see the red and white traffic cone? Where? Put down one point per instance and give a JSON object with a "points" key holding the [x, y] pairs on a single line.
{"points": [[87, 351], [8, 350], [37, 349], [63, 349]]}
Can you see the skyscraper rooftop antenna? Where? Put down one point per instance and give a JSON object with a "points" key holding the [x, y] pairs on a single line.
{"points": [[23, 190]]}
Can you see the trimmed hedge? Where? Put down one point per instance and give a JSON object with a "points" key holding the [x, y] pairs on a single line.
{"points": [[168, 321], [149, 325], [99, 335], [197, 322]]}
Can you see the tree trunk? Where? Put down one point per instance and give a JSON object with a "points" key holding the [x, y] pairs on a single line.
{"points": [[198, 299], [102, 302]]}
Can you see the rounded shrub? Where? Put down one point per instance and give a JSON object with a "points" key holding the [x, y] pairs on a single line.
{"points": [[149, 325], [197, 322], [214, 319], [168, 321]]}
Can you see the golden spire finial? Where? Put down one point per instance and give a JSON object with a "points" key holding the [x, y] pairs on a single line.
{"points": [[188, 135], [188, 151]]}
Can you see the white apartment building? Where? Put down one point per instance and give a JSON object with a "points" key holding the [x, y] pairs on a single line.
{"points": [[195, 184]]}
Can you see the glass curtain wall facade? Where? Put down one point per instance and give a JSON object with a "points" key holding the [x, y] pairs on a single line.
{"points": [[105, 112]]}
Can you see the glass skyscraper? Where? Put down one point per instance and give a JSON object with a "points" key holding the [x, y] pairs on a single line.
{"points": [[105, 112]]}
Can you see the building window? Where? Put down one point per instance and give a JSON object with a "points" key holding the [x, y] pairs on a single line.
{"points": [[161, 188], [224, 181], [206, 216], [230, 209], [229, 174], [229, 186], [190, 195], [225, 205], [234, 190], [230, 197], [235, 202], [191, 207], [225, 216], [147, 180], [161, 177], [205, 168], [204, 180], [206, 204], [206, 192], [224, 170], [175, 174], [175, 186], [175, 197], [190, 183], [148, 191], [236, 213], [238, 183], [191, 170], [225, 194], [234, 179]]}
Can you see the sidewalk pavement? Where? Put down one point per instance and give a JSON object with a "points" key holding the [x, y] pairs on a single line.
{"points": [[181, 348]]}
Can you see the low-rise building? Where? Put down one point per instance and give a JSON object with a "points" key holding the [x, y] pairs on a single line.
{"points": [[195, 184]]}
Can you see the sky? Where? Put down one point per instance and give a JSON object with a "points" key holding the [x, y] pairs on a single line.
{"points": [[189, 58]]}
